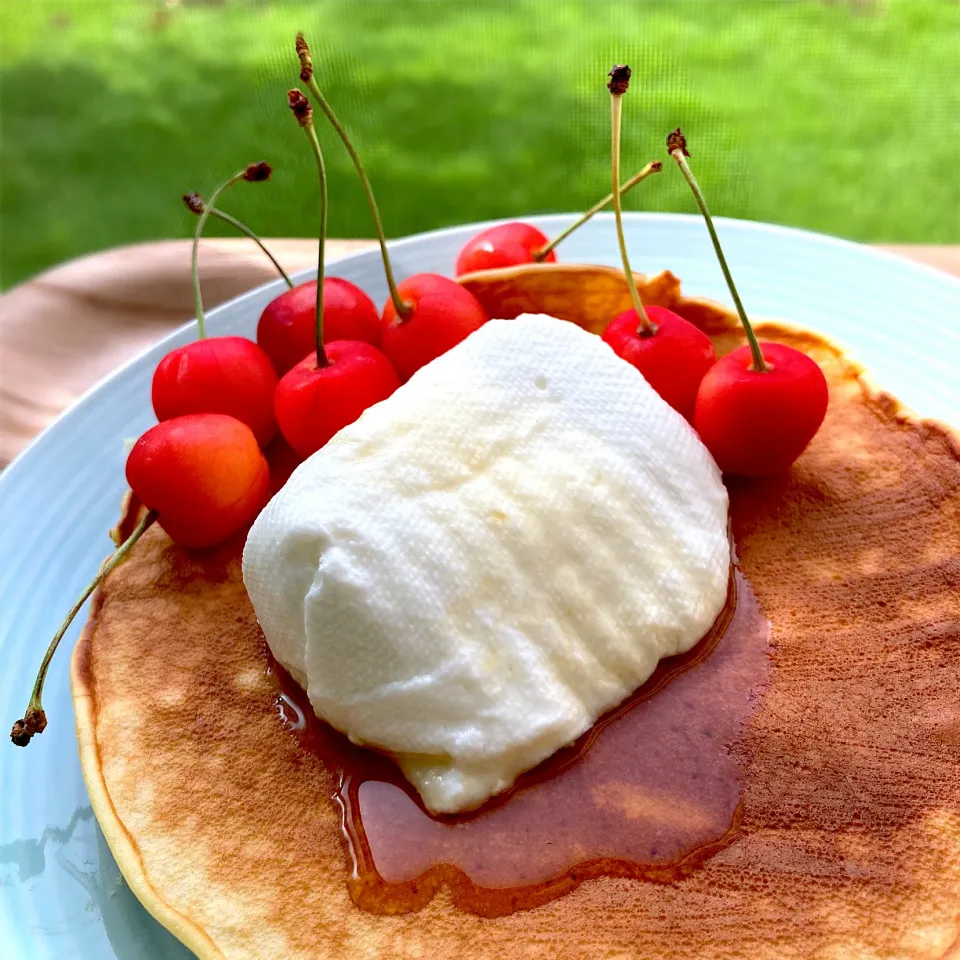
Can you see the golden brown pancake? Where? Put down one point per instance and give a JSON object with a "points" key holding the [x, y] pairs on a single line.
{"points": [[845, 841]]}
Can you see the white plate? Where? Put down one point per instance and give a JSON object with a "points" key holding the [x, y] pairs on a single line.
{"points": [[60, 892]]}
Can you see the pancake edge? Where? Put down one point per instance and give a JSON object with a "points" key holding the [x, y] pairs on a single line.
{"points": [[121, 843]]}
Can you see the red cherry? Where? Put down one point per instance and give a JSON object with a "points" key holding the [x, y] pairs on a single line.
{"points": [[287, 328], [333, 385], [758, 407], [443, 313], [673, 360], [313, 403], [203, 473], [756, 423], [669, 351], [504, 245], [509, 244], [229, 375]]}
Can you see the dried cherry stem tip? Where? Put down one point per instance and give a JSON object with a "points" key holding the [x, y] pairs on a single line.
{"points": [[677, 146], [403, 308], [35, 720], [619, 81], [303, 111], [252, 173], [195, 204], [617, 85], [654, 167]]}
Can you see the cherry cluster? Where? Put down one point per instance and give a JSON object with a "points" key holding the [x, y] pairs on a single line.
{"points": [[324, 353], [237, 416], [757, 408]]}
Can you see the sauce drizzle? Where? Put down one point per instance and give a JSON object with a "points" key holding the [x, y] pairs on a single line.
{"points": [[650, 792]]}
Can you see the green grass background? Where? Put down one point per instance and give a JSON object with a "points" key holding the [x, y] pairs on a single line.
{"points": [[839, 116]]}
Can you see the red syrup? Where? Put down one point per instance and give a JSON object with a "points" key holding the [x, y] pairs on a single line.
{"points": [[650, 792]]}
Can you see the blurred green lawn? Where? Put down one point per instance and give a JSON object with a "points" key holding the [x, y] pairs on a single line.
{"points": [[839, 116]]}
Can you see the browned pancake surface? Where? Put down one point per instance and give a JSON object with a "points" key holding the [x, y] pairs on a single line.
{"points": [[850, 843]]}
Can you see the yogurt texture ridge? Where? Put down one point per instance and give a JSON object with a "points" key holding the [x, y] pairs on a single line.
{"points": [[483, 564]]}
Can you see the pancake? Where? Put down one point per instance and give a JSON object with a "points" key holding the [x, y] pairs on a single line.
{"points": [[844, 842]]}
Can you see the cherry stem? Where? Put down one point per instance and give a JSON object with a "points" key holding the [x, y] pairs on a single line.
{"points": [[243, 228], [322, 359], [194, 258], [403, 308], [646, 328], [655, 167], [35, 720], [759, 364]]}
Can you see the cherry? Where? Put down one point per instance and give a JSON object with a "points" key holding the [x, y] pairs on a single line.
{"points": [[443, 313], [505, 245], [204, 474], [313, 403], [431, 313], [229, 375], [760, 406], [332, 386], [757, 423], [673, 359], [203, 478], [668, 350], [287, 328], [510, 244]]}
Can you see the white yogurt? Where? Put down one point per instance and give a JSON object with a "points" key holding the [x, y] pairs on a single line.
{"points": [[483, 564]]}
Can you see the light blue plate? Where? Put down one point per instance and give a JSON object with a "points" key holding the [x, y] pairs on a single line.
{"points": [[61, 895]]}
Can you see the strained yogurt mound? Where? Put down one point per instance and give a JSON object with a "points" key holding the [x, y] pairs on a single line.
{"points": [[483, 564]]}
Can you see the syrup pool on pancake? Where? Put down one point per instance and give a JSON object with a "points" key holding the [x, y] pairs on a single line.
{"points": [[650, 792]]}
